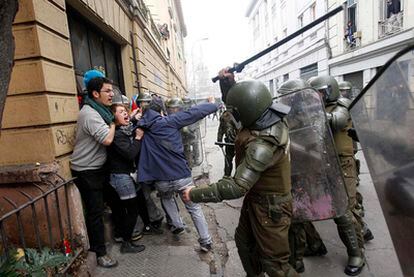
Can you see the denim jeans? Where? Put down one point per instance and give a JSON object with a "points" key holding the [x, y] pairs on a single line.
{"points": [[167, 190], [124, 185]]}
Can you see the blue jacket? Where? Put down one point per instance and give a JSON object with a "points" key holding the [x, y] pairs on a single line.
{"points": [[162, 152]]}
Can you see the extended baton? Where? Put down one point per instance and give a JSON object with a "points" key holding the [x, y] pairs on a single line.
{"points": [[223, 143], [239, 67]]}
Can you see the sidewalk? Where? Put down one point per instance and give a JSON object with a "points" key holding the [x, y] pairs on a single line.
{"points": [[165, 255]]}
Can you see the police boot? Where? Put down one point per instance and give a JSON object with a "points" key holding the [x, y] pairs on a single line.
{"points": [[367, 234], [346, 230], [299, 266], [250, 262]]}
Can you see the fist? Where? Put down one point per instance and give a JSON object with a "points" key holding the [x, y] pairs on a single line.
{"points": [[186, 194], [211, 99], [137, 113], [139, 133], [225, 74]]}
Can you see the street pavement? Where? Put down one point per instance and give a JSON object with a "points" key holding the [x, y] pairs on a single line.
{"points": [[169, 255]]}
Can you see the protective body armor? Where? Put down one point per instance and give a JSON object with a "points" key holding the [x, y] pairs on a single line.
{"points": [[340, 121], [263, 166]]}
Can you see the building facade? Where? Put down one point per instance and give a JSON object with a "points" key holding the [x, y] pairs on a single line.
{"points": [[138, 44], [303, 57], [351, 46], [366, 35]]}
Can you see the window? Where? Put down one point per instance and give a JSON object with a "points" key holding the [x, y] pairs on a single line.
{"points": [[350, 23], [313, 12], [271, 87], [309, 71], [300, 21], [393, 7], [351, 16], [391, 17], [92, 49], [286, 77]]}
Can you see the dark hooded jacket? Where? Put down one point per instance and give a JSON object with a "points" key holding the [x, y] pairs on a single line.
{"points": [[162, 153]]}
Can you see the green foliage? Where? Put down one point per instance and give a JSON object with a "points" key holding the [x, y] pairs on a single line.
{"points": [[40, 264], [8, 265]]}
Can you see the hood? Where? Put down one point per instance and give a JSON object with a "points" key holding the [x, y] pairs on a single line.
{"points": [[148, 119]]}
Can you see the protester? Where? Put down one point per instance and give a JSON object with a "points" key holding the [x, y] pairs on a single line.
{"points": [[95, 131], [162, 151]]}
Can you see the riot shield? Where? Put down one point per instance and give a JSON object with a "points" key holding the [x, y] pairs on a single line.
{"points": [[318, 187], [193, 147], [386, 130]]}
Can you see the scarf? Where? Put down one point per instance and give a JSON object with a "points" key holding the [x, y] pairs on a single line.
{"points": [[103, 111], [128, 129]]}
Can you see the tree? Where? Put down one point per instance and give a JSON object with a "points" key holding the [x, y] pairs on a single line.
{"points": [[8, 10]]}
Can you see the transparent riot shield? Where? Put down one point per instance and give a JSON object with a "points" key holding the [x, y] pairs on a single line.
{"points": [[192, 142], [383, 115], [318, 187]]}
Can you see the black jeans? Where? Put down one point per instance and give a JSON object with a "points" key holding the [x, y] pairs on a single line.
{"points": [[125, 213], [90, 184]]}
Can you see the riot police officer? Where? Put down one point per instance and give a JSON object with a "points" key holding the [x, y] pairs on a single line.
{"points": [[349, 228], [141, 100], [228, 130], [345, 89], [262, 175], [174, 105], [195, 141]]}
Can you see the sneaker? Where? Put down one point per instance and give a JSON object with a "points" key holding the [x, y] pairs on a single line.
{"points": [[118, 239], [151, 230], [106, 261], [206, 247], [178, 231], [157, 223], [136, 236], [129, 247]]}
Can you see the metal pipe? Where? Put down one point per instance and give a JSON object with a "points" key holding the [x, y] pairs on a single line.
{"points": [[19, 221], [59, 217], [69, 219], [34, 219], [49, 224], [4, 238], [34, 200]]}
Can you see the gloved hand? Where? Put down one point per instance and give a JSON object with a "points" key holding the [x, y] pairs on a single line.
{"points": [[353, 134]]}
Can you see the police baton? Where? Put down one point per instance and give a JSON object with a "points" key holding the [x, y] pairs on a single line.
{"points": [[239, 67], [221, 144]]}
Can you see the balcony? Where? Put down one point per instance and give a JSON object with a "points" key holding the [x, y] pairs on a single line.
{"points": [[391, 25]]}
